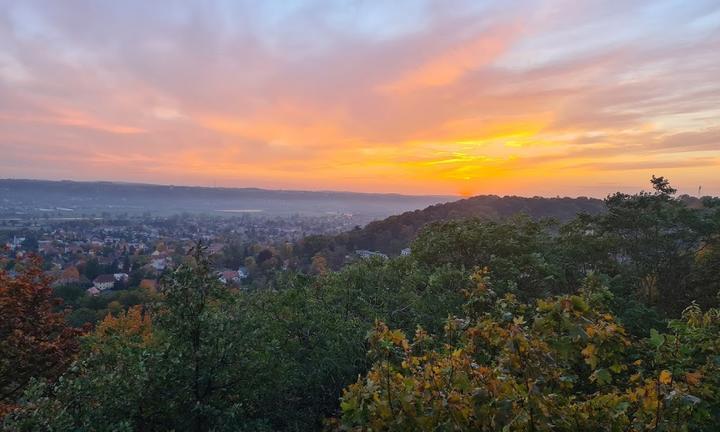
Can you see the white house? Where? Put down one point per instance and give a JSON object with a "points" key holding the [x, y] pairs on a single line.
{"points": [[121, 277], [104, 282], [366, 254]]}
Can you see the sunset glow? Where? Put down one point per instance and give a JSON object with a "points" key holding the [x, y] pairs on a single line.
{"points": [[441, 97]]}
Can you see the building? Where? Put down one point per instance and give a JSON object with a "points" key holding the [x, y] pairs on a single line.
{"points": [[16, 242], [104, 282], [366, 254], [229, 277], [121, 277]]}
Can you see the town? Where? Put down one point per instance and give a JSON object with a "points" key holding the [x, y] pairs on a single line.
{"points": [[107, 264]]}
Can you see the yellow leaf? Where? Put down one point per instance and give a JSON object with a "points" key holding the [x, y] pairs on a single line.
{"points": [[590, 330], [665, 377], [589, 353], [589, 350]]}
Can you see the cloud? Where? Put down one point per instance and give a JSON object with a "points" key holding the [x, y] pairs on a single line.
{"points": [[73, 119], [708, 139], [451, 65], [454, 96]]}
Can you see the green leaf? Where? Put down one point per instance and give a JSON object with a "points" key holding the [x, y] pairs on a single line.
{"points": [[656, 339], [603, 376]]}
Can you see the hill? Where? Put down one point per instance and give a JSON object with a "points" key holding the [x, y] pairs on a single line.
{"points": [[394, 233], [23, 197]]}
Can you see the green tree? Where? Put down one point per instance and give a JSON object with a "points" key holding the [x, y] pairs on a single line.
{"points": [[655, 237], [518, 252], [193, 360]]}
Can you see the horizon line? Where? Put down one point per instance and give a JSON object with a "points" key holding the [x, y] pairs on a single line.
{"points": [[397, 194], [136, 183]]}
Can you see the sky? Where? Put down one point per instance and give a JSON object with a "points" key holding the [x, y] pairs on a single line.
{"points": [[571, 98]]}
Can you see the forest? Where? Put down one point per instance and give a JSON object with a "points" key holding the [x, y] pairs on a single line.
{"points": [[606, 321], [392, 234]]}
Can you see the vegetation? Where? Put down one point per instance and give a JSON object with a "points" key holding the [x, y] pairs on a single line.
{"points": [[394, 233], [607, 322], [561, 364], [35, 341]]}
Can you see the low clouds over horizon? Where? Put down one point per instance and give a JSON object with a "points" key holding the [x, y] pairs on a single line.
{"points": [[451, 97]]}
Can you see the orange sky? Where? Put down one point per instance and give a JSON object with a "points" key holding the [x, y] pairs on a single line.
{"points": [[528, 98]]}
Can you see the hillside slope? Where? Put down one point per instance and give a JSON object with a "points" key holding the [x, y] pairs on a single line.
{"points": [[394, 233]]}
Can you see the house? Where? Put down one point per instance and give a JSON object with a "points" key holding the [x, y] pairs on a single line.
{"points": [[105, 261], [136, 246], [92, 291], [243, 272], [121, 277], [366, 254], [229, 276], [104, 282], [46, 247], [405, 252], [16, 242]]}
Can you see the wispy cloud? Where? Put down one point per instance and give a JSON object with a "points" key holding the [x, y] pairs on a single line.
{"points": [[522, 97]]}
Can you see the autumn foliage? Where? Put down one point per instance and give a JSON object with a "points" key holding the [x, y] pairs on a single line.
{"points": [[35, 341], [561, 364]]}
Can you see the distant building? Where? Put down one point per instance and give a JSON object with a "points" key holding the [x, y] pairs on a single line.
{"points": [[229, 277], [16, 242], [104, 282], [405, 252], [243, 272], [92, 291], [105, 261], [45, 247], [366, 254], [121, 277]]}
